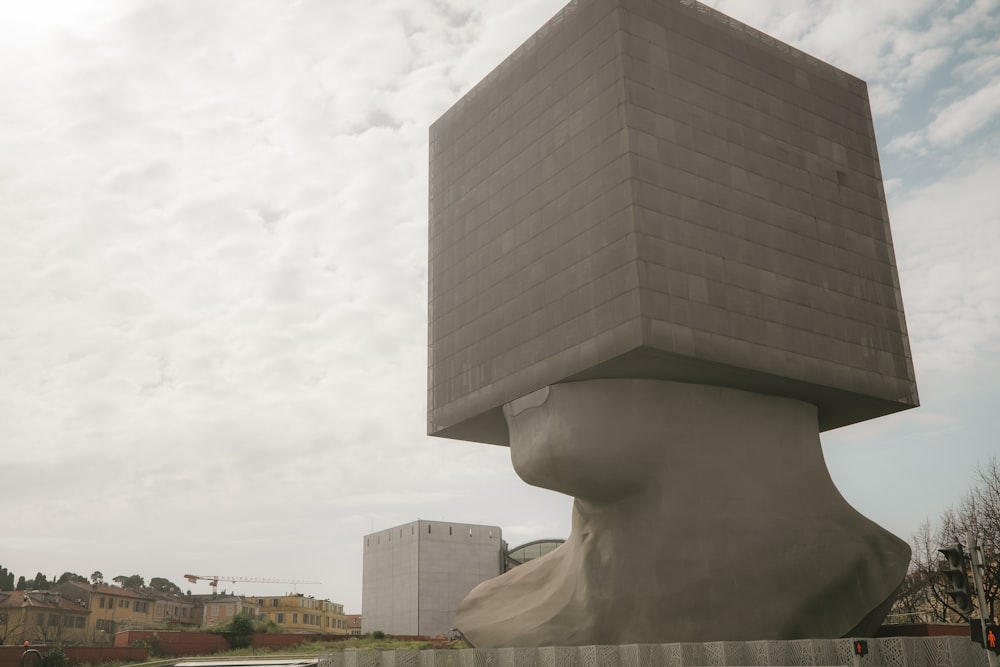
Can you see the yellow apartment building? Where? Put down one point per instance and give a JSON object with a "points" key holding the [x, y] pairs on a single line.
{"points": [[41, 617], [112, 608], [301, 613], [220, 609]]}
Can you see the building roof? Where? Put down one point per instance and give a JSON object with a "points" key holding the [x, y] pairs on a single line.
{"points": [[39, 600], [102, 589]]}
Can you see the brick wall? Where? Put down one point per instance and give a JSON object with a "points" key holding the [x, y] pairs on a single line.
{"points": [[924, 630], [10, 656], [172, 643]]}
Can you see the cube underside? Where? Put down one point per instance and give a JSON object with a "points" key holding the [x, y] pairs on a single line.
{"points": [[649, 189]]}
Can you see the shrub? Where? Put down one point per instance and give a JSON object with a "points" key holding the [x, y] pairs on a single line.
{"points": [[55, 657]]}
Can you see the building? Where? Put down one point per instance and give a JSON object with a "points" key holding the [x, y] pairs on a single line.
{"points": [[172, 610], [300, 613], [417, 574], [220, 609], [41, 617], [520, 555], [111, 608], [354, 625], [654, 190]]}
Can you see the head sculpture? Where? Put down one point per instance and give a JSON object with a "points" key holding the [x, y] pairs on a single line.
{"points": [[660, 266], [692, 502]]}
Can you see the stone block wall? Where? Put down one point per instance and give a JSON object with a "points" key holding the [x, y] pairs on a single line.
{"points": [[648, 188]]}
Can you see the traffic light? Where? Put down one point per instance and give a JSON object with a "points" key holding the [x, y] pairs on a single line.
{"points": [[991, 639], [958, 580], [860, 647]]}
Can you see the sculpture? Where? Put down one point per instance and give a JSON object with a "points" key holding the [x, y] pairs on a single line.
{"points": [[701, 513], [660, 266]]}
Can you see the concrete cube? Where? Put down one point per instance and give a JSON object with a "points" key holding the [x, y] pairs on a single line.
{"points": [[651, 189]]}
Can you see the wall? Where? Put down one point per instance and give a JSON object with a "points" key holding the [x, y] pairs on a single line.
{"points": [[454, 559], [10, 656], [389, 580], [174, 643], [416, 575], [892, 652], [925, 630]]}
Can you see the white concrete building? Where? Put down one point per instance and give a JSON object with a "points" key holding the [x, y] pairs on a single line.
{"points": [[416, 574]]}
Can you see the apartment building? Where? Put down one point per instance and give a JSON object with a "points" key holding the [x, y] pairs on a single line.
{"points": [[41, 617], [220, 609], [301, 613], [111, 608]]}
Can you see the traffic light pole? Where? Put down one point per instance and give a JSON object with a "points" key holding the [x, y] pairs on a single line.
{"points": [[975, 556]]}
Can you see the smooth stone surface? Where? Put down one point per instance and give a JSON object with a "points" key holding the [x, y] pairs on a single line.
{"points": [[701, 514]]}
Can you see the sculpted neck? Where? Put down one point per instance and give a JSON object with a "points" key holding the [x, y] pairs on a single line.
{"points": [[691, 502]]}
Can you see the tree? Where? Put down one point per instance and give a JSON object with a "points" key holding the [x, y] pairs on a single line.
{"points": [[164, 585], [11, 624], [41, 583], [66, 577], [238, 631], [21, 584], [6, 580], [924, 593], [135, 581], [920, 597], [97, 577]]}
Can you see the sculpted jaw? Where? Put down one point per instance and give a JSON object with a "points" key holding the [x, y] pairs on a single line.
{"points": [[685, 495]]}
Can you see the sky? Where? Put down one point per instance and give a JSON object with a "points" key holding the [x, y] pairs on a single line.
{"points": [[213, 249]]}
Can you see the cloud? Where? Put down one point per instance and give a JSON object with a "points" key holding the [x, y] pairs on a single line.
{"points": [[946, 237], [967, 115], [213, 264]]}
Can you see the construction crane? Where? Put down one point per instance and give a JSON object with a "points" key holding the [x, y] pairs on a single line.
{"points": [[213, 580]]}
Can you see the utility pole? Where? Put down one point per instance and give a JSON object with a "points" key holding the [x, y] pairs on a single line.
{"points": [[976, 559]]}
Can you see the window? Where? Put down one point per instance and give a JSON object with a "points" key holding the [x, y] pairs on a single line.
{"points": [[229, 610], [295, 619], [126, 604], [274, 602], [3, 619], [263, 616], [281, 617], [102, 602], [141, 607]]}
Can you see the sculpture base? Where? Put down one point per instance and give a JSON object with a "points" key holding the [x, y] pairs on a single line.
{"points": [[702, 513]]}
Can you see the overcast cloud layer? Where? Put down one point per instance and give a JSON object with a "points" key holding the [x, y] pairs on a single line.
{"points": [[213, 274]]}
